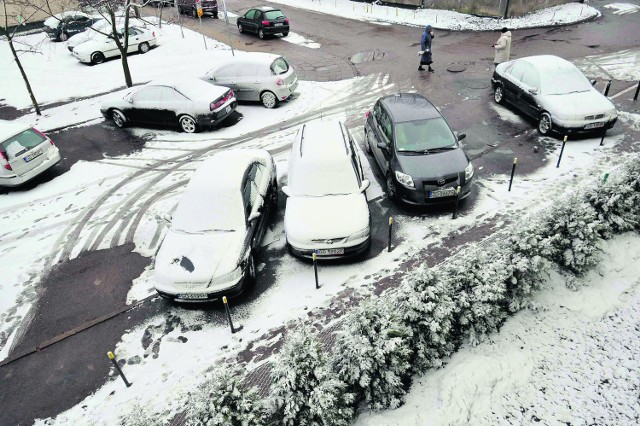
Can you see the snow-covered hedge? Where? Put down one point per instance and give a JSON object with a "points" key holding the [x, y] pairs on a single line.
{"points": [[387, 339]]}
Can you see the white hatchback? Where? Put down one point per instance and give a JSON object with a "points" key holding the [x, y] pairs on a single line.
{"points": [[25, 152], [97, 49], [327, 209]]}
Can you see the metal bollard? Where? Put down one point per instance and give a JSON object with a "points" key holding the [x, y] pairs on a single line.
{"points": [[112, 357], [513, 170], [635, 97], [564, 141], [228, 311], [602, 140], [455, 207], [390, 232], [606, 90], [315, 267]]}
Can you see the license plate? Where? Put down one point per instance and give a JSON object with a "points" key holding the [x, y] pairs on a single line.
{"points": [[278, 25], [194, 296], [227, 109], [331, 251], [594, 125], [33, 155], [449, 192]]}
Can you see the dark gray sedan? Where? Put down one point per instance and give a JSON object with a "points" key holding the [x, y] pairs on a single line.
{"points": [[417, 151]]}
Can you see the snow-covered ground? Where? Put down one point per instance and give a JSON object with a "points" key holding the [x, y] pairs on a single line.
{"points": [[444, 19], [160, 381]]}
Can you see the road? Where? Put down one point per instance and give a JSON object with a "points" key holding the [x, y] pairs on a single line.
{"points": [[80, 309]]}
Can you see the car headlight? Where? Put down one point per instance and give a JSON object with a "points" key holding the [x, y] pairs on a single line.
{"points": [[405, 179], [468, 172], [234, 275], [360, 234]]}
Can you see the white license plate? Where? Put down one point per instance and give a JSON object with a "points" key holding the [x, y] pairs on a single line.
{"points": [[194, 296], [594, 125], [227, 109], [278, 25], [449, 192], [331, 251], [33, 155]]}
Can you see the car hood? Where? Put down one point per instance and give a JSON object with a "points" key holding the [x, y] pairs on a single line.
{"points": [[576, 104], [89, 46], [198, 257], [335, 216], [433, 165]]}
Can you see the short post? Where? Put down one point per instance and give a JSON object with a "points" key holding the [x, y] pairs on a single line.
{"points": [[390, 232], [635, 97], [455, 207], [593, 82], [228, 311], [605, 177], [315, 267], [564, 141], [606, 89], [602, 140], [513, 170], [112, 357]]}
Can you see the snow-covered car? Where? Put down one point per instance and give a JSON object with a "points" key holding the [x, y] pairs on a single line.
{"points": [[327, 209], [97, 49], [25, 152], [99, 28], [188, 102], [256, 76], [555, 93], [217, 228], [63, 25]]}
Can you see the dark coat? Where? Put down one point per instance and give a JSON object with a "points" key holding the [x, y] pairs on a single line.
{"points": [[425, 45]]}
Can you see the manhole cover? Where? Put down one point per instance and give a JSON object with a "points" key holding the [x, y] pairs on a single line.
{"points": [[457, 68], [368, 56], [477, 84]]}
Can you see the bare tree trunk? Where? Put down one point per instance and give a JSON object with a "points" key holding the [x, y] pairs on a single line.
{"points": [[122, 47], [24, 76]]}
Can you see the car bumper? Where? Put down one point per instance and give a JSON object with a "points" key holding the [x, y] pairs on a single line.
{"points": [[81, 58], [275, 30], [218, 115], [52, 159], [582, 126], [284, 92], [202, 294], [349, 251], [421, 197]]}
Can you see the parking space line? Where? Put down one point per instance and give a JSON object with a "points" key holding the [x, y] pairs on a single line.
{"points": [[627, 90]]}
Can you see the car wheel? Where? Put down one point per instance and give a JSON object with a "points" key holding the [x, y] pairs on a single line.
{"points": [[251, 274], [240, 29], [286, 33], [545, 125], [367, 147], [261, 33], [97, 58], [268, 99], [215, 15], [118, 118], [194, 13], [143, 47], [188, 124], [180, 11], [391, 187], [498, 94], [64, 36]]}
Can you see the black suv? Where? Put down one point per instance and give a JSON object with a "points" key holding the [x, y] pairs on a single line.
{"points": [[209, 7], [264, 21], [417, 151]]}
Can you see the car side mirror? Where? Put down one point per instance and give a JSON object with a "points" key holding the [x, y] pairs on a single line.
{"points": [[129, 99], [533, 90], [462, 136], [286, 191], [383, 146], [166, 216], [364, 185]]}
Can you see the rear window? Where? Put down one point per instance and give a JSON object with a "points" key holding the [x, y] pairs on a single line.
{"points": [[22, 142], [273, 14], [279, 66]]}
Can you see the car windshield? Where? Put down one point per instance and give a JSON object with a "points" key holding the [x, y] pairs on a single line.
{"points": [[273, 14], [564, 81], [279, 66], [21, 143], [424, 135], [330, 179]]}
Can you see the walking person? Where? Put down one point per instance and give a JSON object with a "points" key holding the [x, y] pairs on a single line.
{"points": [[502, 47], [425, 46]]}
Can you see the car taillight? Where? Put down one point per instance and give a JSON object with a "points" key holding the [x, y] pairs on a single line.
{"points": [[6, 165], [213, 105], [266, 23], [153, 33], [286, 21], [279, 82], [368, 114]]}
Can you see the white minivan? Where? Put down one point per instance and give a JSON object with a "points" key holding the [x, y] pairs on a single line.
{"points": [[256, 76], [25, 152], [327, 210]]}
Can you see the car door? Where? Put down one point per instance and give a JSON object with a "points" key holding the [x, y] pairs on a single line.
{"points": [[530, 81], [145, 104], [247, 20], [77, 24], [134, 40], [227, 76], [256, 21], [246, 82], [384, 133], [513, 83], [108, 46], [253, 203], [263, 185]]}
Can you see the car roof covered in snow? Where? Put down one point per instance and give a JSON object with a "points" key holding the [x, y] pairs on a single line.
{"points": [[213, 197], [409, 107], [11, 128], [547, 63], [193, 88]]}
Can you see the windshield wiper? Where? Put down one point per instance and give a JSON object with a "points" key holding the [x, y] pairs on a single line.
{"points": [[442, 148]]}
